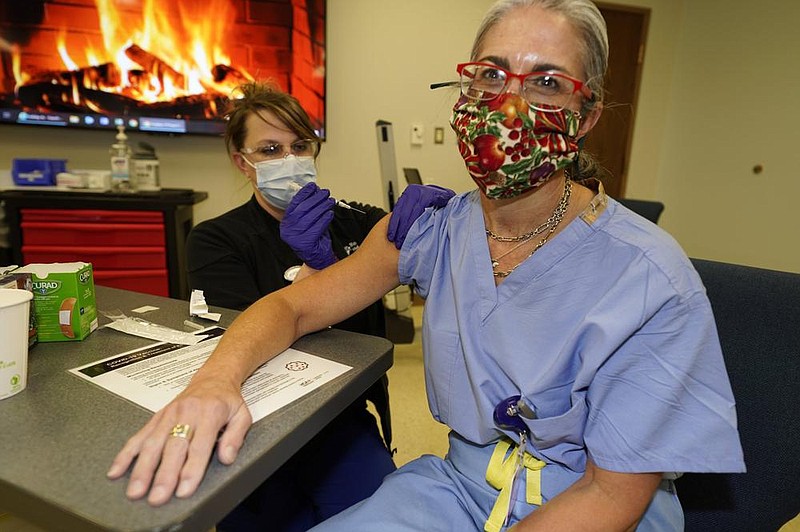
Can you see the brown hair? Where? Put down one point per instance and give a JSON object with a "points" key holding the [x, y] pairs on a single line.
{"points": [[253, 97]]}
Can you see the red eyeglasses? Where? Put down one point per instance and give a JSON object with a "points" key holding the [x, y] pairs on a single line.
{"points": [[484, 81]]}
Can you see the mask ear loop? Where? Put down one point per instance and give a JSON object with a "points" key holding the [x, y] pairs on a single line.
{"points": [[574, 172]]}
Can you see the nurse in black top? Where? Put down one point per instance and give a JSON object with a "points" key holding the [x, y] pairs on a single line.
{"points": [[289, 229]]}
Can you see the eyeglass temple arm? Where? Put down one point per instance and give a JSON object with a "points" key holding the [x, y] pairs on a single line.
{"points": [[444, 84], [592, 95]]}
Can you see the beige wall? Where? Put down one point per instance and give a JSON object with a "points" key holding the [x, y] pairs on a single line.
{"points": [[713, 71], [733, 105]]}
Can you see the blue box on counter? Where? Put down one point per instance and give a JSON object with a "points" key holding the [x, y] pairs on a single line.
{"points": [[37, 171]]}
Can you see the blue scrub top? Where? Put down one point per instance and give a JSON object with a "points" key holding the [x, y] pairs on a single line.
{"points": [[606, 331]]}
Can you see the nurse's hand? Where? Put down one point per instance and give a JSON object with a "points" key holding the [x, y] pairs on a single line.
{"points": [[305, 226], [171, 452], [412, 202]]}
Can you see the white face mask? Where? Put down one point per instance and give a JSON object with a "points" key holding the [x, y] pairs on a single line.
{"points": [[278, 180]]}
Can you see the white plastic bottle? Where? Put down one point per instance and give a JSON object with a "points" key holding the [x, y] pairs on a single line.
{"points": [[144, 168], [121, 163]]}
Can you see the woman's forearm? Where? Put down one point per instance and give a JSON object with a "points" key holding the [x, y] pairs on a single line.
{"points": [[246, 344], [601, 500]]}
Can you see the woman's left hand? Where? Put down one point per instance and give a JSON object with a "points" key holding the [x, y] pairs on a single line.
{"points": [[410, 205], [172, 451]]}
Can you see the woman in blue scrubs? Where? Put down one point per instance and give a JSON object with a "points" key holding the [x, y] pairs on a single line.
{"points": [[569, 344]]}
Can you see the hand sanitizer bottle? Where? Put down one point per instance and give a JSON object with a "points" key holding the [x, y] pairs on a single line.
{"points": [[121, 163]]}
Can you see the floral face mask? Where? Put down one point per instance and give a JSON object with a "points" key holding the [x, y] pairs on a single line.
{"points": [[510, 148]]}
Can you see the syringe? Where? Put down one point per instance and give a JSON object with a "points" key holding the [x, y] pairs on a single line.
{"points": [[344, 205], [340, 203]]}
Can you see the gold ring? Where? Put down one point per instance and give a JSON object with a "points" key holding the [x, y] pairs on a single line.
{"points": [[181, 431]]}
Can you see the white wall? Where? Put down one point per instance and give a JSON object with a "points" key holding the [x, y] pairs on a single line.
{"points": [[715, 99], [385, 58], [733, 105]]}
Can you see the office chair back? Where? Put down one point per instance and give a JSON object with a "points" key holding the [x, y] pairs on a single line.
{"points": [[649, 209], [412, 176], [757, 313]]}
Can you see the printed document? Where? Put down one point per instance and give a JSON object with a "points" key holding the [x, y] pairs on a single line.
{"points": [[153, 375]]}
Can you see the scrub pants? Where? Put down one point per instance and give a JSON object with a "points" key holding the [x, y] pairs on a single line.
{"points": [[344, 464], [430, 494]]}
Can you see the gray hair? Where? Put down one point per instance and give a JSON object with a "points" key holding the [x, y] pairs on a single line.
{"points": [[583, 15]]}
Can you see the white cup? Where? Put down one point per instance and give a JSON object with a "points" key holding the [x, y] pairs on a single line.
{"points": [[15, 307]]}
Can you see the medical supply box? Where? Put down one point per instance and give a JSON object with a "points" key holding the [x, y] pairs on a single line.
{"points": [[64, 297], [37, 171], [9, 278]]}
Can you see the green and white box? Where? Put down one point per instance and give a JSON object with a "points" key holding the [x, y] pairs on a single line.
{"points": [[64, 297], [9, 278]]}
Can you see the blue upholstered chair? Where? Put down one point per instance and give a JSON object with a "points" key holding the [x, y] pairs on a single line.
{"points": [[648, 208], [757, 313]]}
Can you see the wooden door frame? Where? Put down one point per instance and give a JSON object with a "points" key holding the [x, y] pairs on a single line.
{"points": [[645, 12]]}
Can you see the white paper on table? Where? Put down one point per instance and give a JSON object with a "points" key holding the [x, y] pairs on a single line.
{"points": [[144, 309], [153, 375]]}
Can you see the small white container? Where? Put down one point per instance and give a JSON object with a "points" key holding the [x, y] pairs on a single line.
{"points": [[15, 307], [145, 173]]}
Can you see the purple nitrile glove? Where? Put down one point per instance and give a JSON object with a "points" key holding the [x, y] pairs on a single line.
{"points": [[412, 202], [305, 226]]}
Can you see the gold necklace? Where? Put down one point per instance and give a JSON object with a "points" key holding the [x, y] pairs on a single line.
{"points": [[546, 224], [551, 224], [523, 237], [496, 260]]}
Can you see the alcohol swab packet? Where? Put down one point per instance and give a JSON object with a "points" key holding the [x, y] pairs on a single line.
{"points": [[199, 308], [145, 329]]}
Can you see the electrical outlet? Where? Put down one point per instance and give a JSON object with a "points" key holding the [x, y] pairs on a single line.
{"points": [[417, 134]]}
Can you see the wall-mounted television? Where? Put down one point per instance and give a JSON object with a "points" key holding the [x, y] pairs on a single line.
{"points": [[162, 66]]}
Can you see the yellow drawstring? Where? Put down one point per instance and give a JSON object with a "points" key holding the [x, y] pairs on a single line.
{"points": [[501, 473]]}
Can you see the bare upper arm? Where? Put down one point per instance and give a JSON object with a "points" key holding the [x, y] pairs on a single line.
{"points": [[348, 286]]}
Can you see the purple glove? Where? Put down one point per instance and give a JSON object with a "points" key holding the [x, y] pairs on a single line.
{"points": [[414, 200], [305, 226]]}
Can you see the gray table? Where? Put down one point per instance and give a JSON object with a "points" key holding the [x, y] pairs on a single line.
{"points": [[58, 436]]}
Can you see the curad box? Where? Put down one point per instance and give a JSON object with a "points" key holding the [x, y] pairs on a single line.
{"points": [[64, 298], [10, 278]]}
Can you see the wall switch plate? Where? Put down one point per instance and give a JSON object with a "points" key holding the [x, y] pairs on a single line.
{"points": [[438, 135], [417, 134]]}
